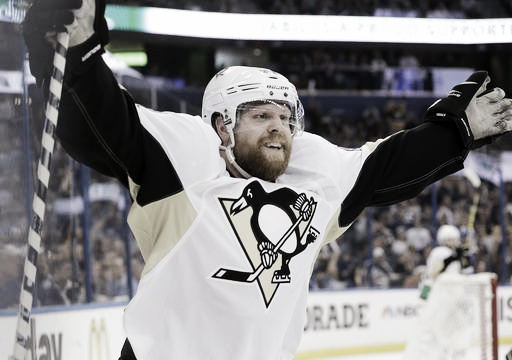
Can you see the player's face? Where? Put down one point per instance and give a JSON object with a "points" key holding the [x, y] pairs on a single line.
{"points": [[263, 140]]}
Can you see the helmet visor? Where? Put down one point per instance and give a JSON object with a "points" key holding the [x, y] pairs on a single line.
{"points": [[290, 114]]}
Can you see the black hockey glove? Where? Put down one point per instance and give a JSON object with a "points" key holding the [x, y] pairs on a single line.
{"points": [[85, 23], [480, 114], [464, 256]]}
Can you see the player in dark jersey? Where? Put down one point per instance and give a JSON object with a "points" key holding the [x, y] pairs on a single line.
{"points": [[230, 208]]}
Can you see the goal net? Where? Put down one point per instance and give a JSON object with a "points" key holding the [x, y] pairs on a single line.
{"points": [[457, 321]]}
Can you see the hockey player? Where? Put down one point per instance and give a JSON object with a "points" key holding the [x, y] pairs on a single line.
{"points": [[448, 256], [230, 208]]}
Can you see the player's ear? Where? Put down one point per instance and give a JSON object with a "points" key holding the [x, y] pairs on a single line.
{"points": [[221, 129]]}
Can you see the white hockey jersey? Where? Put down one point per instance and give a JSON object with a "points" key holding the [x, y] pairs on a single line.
{"points": [[205, 293], [436, 262]]}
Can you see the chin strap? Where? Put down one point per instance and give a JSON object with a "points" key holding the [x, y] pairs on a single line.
{"points": [[231, 159]]}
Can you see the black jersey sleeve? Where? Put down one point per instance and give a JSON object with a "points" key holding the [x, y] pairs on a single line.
{"points": [[99, 126], [402, 166]]}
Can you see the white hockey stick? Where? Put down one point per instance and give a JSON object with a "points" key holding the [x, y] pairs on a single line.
{"points": [[39, 200]]}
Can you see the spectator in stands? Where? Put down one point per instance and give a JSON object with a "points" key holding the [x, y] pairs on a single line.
{"points": [[99, 282], [445, 213], [346, 266], [379, 270], [417, 235], [57, 288], [115, 276], [325, 274]]}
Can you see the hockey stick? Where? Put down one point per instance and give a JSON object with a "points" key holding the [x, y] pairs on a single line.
{"points": [[39, 200]]}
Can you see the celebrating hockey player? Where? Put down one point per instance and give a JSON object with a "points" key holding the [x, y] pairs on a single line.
{"points": [[231, 207]]}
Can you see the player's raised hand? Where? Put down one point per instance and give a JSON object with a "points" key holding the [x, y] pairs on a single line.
{"points": [[82, 19], [489, 113], [480, 113]]}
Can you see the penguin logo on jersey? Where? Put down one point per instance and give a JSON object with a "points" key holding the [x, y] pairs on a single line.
{"points": [[272, 228]]}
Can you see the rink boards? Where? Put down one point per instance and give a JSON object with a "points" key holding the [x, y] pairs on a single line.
{"points": [[338, 323]]}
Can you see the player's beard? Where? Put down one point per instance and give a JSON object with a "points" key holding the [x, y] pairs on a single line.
{"points": [[260, 164]]}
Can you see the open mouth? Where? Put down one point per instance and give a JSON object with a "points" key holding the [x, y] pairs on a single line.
{"points": [[274, 146]]}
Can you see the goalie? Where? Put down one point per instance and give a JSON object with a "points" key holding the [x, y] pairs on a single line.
{"points": [[208, 189]]}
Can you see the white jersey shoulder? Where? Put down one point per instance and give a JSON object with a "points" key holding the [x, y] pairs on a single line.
{"points": [[191, 145], [435, 262], [323, 167]]}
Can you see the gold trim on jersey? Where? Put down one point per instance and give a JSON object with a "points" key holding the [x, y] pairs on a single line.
{"points": [[155, 232]]}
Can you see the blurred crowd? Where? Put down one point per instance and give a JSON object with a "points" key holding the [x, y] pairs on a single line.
{"points": [[332, 68], [385, 247]]}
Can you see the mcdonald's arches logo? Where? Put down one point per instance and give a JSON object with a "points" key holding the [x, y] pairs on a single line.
{"points": [[98, 341]]}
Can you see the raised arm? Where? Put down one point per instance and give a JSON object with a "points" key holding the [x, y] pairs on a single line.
{"points": [[98, 121], [402, 165]]}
